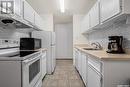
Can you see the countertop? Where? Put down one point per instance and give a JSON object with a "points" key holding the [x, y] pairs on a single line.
{"points": [[102, 54]]}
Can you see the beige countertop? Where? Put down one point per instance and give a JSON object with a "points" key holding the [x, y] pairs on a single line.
{"points": [[103, 55]]}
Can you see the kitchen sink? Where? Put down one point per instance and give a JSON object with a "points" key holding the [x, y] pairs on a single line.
{"points": [[90, 49]]}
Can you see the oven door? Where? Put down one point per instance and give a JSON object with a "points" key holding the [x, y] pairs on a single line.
{"points": [[31, 70]]}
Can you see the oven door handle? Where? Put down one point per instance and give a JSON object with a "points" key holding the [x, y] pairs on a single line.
{"points": [[30, 60]]}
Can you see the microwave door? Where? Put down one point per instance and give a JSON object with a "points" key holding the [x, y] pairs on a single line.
{"points": [[37, 44]]}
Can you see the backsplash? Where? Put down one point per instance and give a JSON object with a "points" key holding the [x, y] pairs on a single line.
{"points": [[101, 35], [12, 36]]}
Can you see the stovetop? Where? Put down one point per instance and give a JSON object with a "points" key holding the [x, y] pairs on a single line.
{"points": [[9, 50], [17, 57]]}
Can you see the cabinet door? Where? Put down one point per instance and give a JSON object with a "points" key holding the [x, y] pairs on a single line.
{"points": [[93, 78], [18, 7], [79, 62], [38, 21], [84, 68], [109, 8], [76, 59], [85, 23], [28, 12], [94, 15]]}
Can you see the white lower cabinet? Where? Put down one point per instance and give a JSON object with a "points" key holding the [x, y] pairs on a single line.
{"points": [[96, 72], [93, 78], [75, 58], [84, 68], [80, 60], [88, 68]]}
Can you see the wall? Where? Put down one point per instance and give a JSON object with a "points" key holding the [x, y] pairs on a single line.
{"points": [[78, 38], [119, 29], [64, 41], [12, 34], [48, 22]]}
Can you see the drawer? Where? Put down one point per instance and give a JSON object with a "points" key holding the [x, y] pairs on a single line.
{"points": [[94, 62]]}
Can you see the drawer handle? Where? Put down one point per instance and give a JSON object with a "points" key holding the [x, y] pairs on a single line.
{"points": [[95, 70]]}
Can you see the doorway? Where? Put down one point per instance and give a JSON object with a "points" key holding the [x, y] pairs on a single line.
{"points": [[64, 41]]}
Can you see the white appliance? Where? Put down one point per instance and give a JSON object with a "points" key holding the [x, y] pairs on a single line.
{"points": [[16, 71], [32, 70], [43, 64], [48, 41]]}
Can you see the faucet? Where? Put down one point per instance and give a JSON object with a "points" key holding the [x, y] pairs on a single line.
{"points": [[96, 45]]}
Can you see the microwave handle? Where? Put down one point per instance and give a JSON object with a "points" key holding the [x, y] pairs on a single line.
{"points": [[30, 60]]}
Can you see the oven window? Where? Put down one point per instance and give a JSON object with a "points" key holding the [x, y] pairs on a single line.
{"points": [[34, 69]]}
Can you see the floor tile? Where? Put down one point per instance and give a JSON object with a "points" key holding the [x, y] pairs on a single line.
{"points": [[63, 83], [65, 75]]}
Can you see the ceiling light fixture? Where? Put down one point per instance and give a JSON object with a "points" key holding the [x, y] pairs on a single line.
{"points": [[62, 6]]}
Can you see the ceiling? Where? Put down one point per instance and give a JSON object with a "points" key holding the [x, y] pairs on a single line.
{"points": [[53, 7]]}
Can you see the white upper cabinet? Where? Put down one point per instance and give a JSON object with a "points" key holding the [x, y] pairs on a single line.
{"points": [[38, 21], [92, 18], [28, 12], [109, 8], [13, 7], [18, 7], [94, 15], [112, 8], [22, 11], [85, 23]]}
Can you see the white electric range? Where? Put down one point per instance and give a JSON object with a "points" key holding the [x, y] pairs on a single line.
{"points": [[16, 71]]}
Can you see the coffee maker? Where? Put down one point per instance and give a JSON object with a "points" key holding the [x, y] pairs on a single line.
{"points": [[115, 44]]}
